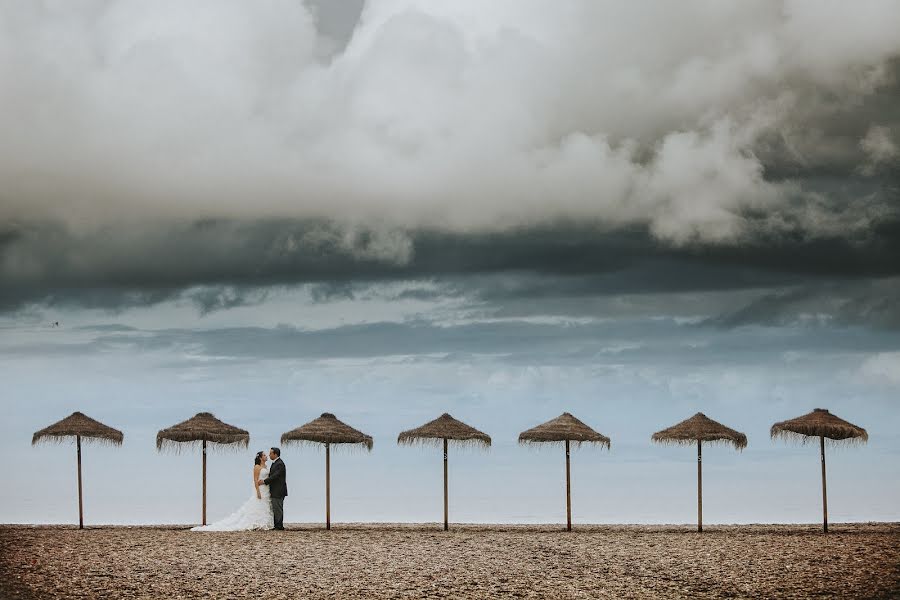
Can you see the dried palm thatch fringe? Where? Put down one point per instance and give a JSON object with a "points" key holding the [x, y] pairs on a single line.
{"points": [[327, 429], [443, 428], [562, 429], [700, 428], [78, 424], [199, 428], [818, 423]]}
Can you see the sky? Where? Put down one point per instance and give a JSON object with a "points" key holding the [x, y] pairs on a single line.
{"points": [[392, 209]]}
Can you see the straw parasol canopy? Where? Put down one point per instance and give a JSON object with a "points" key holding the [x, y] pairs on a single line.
{"points": [[202, 429], [822, 424], [567, 430], [700, 428], [696, 430], [327, 430], [440, 432], [78, 426], [819, 423], [563, 429], [445, 427]]}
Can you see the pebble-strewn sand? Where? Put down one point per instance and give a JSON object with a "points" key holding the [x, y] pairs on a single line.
{"points": [[399, 561]]}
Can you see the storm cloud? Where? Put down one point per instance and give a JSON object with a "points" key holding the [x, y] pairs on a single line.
{"points": [[213, 149], [218, 264]]}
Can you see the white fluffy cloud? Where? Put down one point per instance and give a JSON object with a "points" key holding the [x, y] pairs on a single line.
{"points": [[453, 115], [882, 367]]}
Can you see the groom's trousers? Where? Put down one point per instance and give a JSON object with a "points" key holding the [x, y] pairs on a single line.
{"points": [[278, 512]]}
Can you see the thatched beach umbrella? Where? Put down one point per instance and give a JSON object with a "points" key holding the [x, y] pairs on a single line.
{"points": [[445, 429], [564, 429], [79, 426], [326, 430], [699, 429], [203, 429], [823, 424]]}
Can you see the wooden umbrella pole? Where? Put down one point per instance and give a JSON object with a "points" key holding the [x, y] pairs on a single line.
{"points": [[446, 512], [568, 491], [327, 486], [699, 486], [80, 500], [204, 482], [824, 494]]}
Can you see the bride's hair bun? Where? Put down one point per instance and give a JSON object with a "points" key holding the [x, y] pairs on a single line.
{"points": [[258, 459]]}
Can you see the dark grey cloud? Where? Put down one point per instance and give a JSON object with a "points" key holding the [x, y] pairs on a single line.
{"points": [[827, 141], [875, 303], [223, 264], [599, 343], [213, 298], [233, 263]]}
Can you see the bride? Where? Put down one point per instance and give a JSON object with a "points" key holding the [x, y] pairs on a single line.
{"points": [[256, 513]]}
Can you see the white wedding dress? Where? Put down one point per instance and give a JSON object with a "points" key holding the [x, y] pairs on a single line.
{"points": [[256, 513]]}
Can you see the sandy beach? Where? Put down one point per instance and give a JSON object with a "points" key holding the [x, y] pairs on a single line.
{"points": [[471, 561]]}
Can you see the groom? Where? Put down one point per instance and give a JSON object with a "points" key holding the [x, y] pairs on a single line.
{"points": [[277, 482]]}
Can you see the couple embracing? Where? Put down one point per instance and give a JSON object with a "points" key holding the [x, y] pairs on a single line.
{"points": [[265, 509]]}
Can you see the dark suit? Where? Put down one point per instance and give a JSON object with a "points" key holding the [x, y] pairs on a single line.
{"points": [[277, 482]]}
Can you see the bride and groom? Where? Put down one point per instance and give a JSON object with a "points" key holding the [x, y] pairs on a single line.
{"points": [[265, 508]]}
